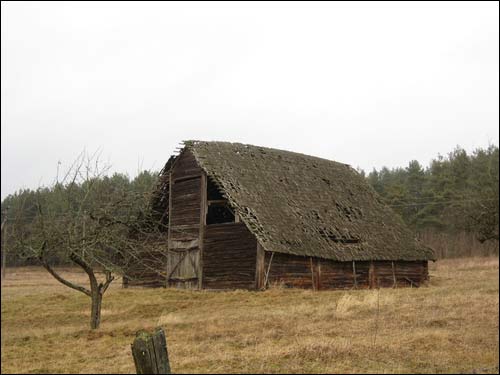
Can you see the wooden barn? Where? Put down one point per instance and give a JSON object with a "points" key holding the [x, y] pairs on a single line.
{"points": [[242, 216]]}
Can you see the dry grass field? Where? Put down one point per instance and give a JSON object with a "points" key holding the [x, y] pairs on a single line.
{"points": [[451, 325]]}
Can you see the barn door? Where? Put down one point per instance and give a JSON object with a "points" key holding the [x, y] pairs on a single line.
{"points": [[183, 267], [183, 264]]}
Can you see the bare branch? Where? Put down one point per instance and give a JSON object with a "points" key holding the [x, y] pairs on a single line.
{"points": [[109, 279], [59, 278]]}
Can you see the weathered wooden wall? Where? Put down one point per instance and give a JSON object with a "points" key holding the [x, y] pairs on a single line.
{"points": [[183, 266], [229, 257], [290, 270], [306, 272], [149, 270], [185, 166]]}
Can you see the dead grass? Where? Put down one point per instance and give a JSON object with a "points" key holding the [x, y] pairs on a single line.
{"points": [[449, 326]]}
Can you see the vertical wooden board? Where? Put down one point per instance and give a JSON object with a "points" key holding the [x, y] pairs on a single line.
{"points": [[317, 271], [169, 231], [174, 259], [259, 267], [185, 227], [372, 276], [203, 217], [161, 352], [189, 267], [143, 360], [354, 274], [395, 282]]}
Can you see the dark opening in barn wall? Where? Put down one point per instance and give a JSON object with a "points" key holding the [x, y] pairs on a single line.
{"points": [[219, 213], [218, 210]]}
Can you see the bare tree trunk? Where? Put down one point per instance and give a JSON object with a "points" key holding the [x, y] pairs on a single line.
{"points": [[96, 290], [95, 315]]}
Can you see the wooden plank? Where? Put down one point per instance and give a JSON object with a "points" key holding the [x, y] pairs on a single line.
{"points": [[371, 276], [177, 264], [354, 274], [203, 216], [259, 267], [183, 279], [318, 274], [312, 274], [188, 177], [266, 277], [184, 224], [172, 244], [161, 354], [150, 353], [178, 251], [169, 265], [394, 275]]}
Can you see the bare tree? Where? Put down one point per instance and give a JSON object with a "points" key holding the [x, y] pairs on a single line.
{"points": [[86, 219]]}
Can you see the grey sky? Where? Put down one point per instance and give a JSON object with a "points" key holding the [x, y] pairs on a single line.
{"points": [[368, 84]]}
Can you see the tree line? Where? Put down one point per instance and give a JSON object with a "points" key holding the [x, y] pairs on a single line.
{"points": [[116, 195], [455, 193]]}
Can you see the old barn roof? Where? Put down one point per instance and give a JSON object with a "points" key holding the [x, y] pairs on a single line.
{"points": [[304, 205]]}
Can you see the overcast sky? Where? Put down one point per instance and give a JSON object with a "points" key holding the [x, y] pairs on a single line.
{"points": [[368, 84]]}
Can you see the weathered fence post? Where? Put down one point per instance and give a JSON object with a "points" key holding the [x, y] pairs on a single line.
{"points": [[150, 352]]}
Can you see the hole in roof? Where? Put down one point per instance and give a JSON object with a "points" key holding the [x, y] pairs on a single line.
{"points": [[330, 235], [349, 212], [289, 242]]}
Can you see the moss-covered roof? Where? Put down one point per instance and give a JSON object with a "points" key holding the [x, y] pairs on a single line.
{"points": [[305, 205]]}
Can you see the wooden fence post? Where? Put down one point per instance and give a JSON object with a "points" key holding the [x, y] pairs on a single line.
{"points": [[150, 352]]}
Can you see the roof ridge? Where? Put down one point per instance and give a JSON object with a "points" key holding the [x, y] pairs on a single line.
{"points": [[193, 143]]}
